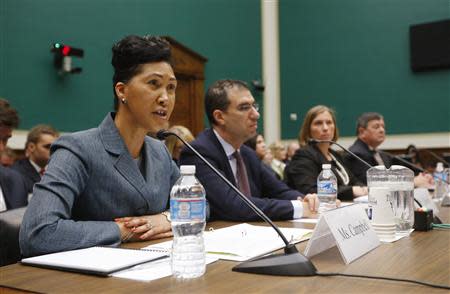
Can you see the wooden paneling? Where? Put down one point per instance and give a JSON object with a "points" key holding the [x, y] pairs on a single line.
{"points": [[189, 68]]}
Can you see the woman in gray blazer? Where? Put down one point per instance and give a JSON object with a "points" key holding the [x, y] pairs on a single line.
{"points": [[111, 184]]}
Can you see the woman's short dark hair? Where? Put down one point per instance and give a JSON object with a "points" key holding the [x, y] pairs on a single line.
{"points": [[132, 51], [217, 96]]}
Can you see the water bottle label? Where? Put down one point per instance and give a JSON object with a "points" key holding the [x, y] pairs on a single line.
{"points": [[187, 209], [325, 187]]}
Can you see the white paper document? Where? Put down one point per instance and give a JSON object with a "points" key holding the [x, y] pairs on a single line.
{"points": [[305, 220], [152, 270], [244, 241]]}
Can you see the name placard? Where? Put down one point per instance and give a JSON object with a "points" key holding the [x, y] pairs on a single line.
{"points": [[347, 227]]}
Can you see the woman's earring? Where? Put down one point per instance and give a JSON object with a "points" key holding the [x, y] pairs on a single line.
{"points": [[124, 101]]}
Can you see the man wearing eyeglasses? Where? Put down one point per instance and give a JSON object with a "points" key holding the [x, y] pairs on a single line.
{"points": [[233, 115], [37, 151]]}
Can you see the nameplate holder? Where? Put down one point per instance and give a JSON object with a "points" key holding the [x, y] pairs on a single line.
{"points": [[346, 227]]}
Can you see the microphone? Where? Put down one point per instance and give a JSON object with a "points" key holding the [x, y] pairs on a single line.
{"points": [[291, 263], [439, 158], [314, 141], [399, 158]]}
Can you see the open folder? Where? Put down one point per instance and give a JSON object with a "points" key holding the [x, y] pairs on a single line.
{"points": [[96, 260]]}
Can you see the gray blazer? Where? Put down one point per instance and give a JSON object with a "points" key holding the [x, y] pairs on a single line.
{"points": [[92, 179]]}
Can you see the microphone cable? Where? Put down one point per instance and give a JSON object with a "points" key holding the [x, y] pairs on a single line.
{"points": [[330, 274], [441, 226]]}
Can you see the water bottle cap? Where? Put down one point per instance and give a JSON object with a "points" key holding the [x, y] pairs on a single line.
{"points": [[187, 169], [326, 166]]}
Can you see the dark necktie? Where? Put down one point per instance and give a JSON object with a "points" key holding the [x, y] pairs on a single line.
{"points": [[241, 175], [41, 172]]}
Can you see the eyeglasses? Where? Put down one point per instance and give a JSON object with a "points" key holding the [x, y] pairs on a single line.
{"points": [[246, 107]]}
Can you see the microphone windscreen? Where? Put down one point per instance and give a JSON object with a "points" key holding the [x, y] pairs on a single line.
{"points": [[162, 134]]}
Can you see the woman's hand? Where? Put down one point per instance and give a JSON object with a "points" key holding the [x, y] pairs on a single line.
{"points": [[423, 180], [146, 227], [359, 191]]}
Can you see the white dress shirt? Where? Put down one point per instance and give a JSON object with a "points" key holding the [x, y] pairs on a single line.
{"points": [[2, 200]]}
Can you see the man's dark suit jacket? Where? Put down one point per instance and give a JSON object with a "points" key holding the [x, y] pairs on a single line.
{"points": [[358, 168], [305, 166], [268, 193], [13, 187], [28, 172]]}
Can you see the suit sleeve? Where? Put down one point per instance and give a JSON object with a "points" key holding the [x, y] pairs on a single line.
{"points": [[225, 204], [273, 187], [48, 225], [14, 189]]}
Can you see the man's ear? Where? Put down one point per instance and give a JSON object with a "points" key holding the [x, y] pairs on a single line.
{"points": [[31, 147], [219, 117], [361, 131]]}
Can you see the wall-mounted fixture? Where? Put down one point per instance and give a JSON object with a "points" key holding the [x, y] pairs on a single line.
{"points": [[258, 85], [62, 59]]}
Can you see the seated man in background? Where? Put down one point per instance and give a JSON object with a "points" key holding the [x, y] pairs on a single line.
{"points": [[13, 193], [233, 115], [7, 157], [279, 157], [37, 151], [371, 133], [292, 147]]}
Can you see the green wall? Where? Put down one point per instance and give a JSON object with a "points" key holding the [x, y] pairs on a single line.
{"points": [[227, 32], [353, 55]]}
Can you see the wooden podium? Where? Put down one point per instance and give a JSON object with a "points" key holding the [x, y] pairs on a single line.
{"points": [[189, 68]]}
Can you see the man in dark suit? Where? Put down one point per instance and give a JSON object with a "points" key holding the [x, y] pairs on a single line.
{"points": [[233, 114], [12, 189], [370, 129], [37, 150]]}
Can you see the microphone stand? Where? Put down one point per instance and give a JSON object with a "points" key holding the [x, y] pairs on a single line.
{"points": [[314, 141], [439, 158], [412, 165], [289, 263]]}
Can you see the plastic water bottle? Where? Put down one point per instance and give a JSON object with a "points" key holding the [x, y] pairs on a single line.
{"points": [[187, 210], [326, 188], [440, 178]]}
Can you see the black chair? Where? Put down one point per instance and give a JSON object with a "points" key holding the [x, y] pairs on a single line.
{"points": [[10, 221]]}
